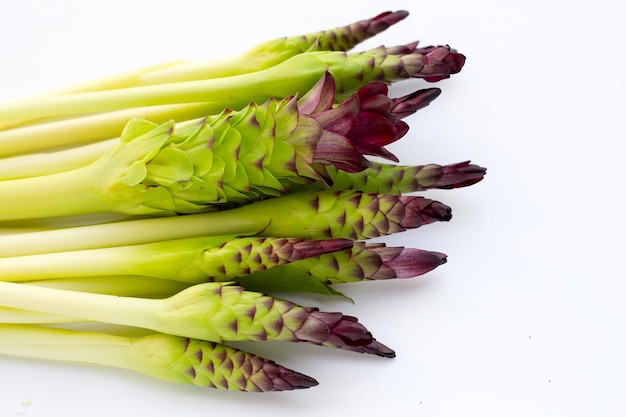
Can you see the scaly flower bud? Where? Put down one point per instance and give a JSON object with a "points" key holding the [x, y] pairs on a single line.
{"points": [[364, 261], [192, 260], [351, 214], [342, 38], [400, 179], [214, 365]]}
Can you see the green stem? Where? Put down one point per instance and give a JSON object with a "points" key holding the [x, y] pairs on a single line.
{"points": [[130, 232], [65, 345], [120, 285], [92, 128], [131, 311], [18, 316], [49, 195], [46, 163]]}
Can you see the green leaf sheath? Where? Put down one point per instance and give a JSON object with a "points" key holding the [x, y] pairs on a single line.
{"points": [[217, 312], [190, 260], [165, 357], [72, 132]]}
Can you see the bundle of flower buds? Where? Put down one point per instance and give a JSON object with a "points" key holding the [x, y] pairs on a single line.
{"points": [[176, 199]]}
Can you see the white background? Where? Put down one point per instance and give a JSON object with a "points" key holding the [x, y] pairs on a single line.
{"points": [[527, 317]]}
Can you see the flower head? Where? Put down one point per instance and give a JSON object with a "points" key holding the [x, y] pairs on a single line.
{"points": [[362, 124]]}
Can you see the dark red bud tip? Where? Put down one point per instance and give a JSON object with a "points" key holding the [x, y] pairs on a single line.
{"points": [[420, 211], [391, 18], [462, 174], [405, 106], [455, 61], [437, 211], [378, 349], [381, 22], [415, 262], [289, 380], [440, 62]]}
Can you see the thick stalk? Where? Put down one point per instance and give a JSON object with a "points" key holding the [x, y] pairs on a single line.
{"points": [[91, 128], [131, 311], [46, 163], [18, 316], [48, 196], [120, 285]]}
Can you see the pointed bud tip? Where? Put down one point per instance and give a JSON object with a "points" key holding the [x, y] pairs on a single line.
{"points": [[294, 380], [421, 211], [415, 262], [378, 349], [462, 174], [407, 105], [440, 62], [438, 212], [385, 19]]}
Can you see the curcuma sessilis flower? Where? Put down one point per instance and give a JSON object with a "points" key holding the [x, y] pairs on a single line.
{"points": [[260, 151], [191, 260], [169, 358], [222, 161], [363, 261], [215, 311], [382, 178], [343, 38]]}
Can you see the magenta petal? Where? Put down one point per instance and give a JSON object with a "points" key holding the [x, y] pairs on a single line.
{"points": [[373, 89], [320, 97], [339, 151], [378, 103], [371, 129], [382, 153], [461, 174], [341, 118]]}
